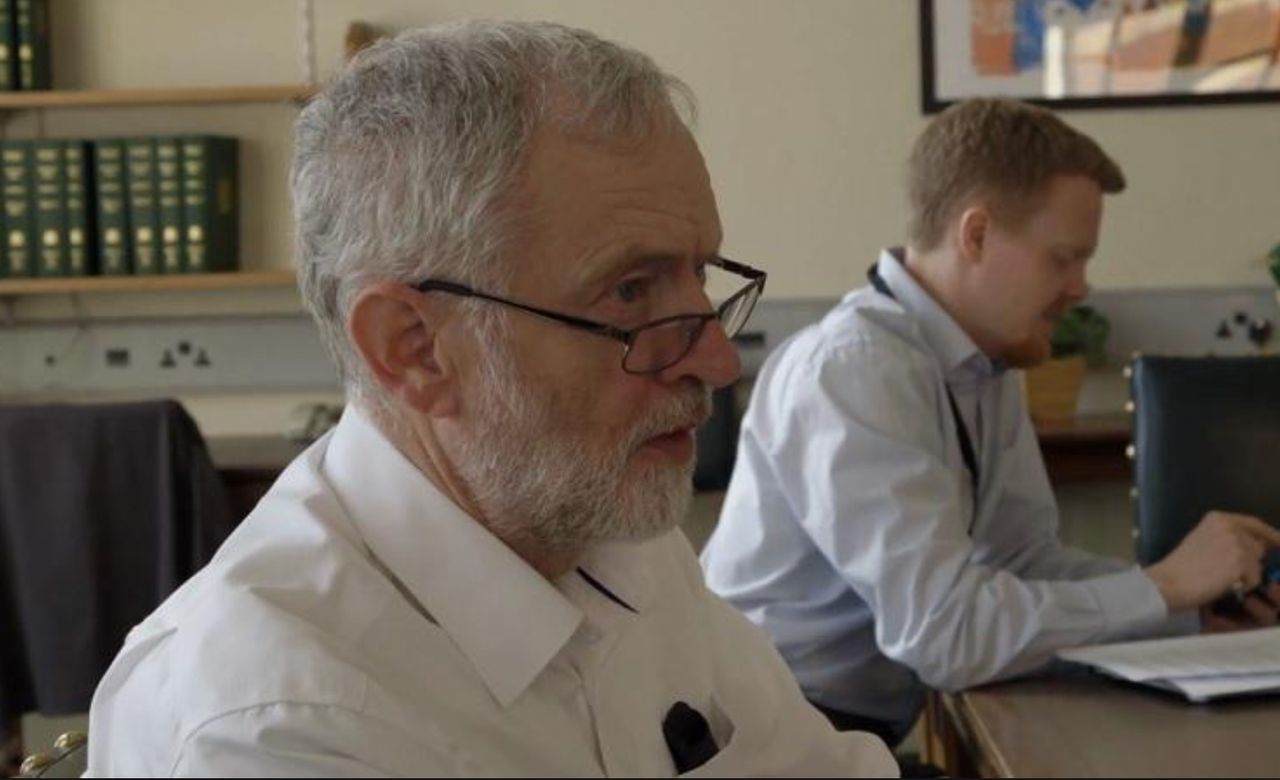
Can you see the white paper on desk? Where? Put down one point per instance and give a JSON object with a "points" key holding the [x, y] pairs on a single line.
{"points": [[1254, 652], [1205, 688]]}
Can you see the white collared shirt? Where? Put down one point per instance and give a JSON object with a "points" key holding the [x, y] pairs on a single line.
{"points": [[849, 532], [359, 623]]}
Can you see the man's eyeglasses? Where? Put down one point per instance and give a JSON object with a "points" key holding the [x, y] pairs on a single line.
{"points": [[655, 346]]}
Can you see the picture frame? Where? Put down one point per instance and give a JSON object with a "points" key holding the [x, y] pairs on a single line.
{"points": [[1100, 53]]}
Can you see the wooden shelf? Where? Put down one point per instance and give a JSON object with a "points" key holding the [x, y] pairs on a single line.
{"points": [[155, 96], [112, 284]]}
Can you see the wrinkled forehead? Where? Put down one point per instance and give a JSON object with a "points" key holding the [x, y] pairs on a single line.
{"points": [[580, 201]]}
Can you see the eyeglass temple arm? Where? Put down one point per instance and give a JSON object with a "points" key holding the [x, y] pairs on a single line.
{"points": [[617, 334], [738, 268]]}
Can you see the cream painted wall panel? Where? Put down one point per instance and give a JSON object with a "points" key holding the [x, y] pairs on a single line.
{"points": [[1203, 204], [806, 112], [163, 43], [808, 109]]}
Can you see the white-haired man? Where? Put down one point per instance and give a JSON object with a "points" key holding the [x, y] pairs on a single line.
{"points": [[504, 233]]}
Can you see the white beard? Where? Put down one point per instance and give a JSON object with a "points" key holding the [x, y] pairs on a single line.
{"points": [[537, 479]]}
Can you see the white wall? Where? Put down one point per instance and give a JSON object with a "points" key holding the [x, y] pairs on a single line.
{"points": [[808, 108]]}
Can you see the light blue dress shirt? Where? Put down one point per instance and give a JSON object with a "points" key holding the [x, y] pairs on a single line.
{"points": [[849, 531]]}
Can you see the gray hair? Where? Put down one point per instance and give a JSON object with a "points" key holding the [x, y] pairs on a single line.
{"points": [[401, 164]]}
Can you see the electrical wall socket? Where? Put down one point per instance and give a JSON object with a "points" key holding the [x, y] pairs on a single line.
{"points": [[214, 354]]}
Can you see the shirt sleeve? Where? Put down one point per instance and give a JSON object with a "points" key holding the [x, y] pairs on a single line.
{"points": [[1032, 547], [299, 740], [1027, 512], [859, 449]]}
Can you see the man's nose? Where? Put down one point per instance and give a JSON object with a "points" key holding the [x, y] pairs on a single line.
{"points": [[713, 360], [1078, 286]]}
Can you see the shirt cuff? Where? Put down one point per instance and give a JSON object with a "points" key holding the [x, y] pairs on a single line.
{"points": [[1184, 622], [1131, 603]]}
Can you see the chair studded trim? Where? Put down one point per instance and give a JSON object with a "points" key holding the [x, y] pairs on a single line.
{"points": [[67, 759]]}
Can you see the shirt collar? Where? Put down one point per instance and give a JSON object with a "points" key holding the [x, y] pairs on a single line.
{"points": [[507, 619], [944, 335], [621, 569]]}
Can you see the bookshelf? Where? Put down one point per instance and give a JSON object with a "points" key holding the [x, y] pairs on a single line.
{"points": [[230, 280], [151, 96], [156, 96]]}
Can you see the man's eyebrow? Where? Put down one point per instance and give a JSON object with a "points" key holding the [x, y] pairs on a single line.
{"points": [[632, 258]]}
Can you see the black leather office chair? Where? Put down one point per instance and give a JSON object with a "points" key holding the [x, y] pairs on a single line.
{"points": [[105, 509], [717, 442], [1206, 436]]}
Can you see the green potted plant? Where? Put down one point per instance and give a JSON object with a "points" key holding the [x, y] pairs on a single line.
{"points": [[1079, 341]]}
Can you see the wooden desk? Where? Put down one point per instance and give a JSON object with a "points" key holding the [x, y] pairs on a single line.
{"points": [[1091, 727], [1088, 448]]}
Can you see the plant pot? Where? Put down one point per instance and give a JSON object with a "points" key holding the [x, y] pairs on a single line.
{"points": [[1053, 388]]}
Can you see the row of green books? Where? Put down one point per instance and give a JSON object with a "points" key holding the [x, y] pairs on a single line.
{"points": [[24, 45], [118, 206]]}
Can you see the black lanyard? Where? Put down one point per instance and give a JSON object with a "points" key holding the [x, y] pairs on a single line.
{"points": [[962, 431]]}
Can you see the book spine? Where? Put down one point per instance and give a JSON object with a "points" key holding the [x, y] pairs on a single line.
{"points": [[49, 174], [211, 203], [5, 271], [80, 228], [115, 245], [169, 197], [144, 213], [32, 28], [18, 224], [8, 47]]}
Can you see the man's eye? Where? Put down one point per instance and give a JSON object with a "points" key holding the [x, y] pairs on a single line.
{"points": [[632, 290], [701, 273]]}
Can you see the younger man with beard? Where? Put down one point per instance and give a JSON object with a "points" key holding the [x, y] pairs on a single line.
{"points": [[889, 521], [504, 231]]}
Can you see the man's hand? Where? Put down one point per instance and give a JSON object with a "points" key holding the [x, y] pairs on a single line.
{"points": [[1224, 551], [1260, 609]]}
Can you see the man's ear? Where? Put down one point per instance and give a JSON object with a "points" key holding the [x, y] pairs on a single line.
{"points": [[971, 233], [397, 333]]}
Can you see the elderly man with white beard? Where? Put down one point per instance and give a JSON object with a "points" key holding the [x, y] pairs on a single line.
{"points": [[504, 234]]}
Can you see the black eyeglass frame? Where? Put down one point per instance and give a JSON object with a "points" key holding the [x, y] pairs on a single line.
{"points": [[755, 286]]}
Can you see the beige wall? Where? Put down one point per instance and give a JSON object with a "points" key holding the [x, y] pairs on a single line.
{"points": [[807, 111]]}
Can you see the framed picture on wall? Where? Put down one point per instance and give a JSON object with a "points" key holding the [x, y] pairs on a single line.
{"points": [[1100, 53]]}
